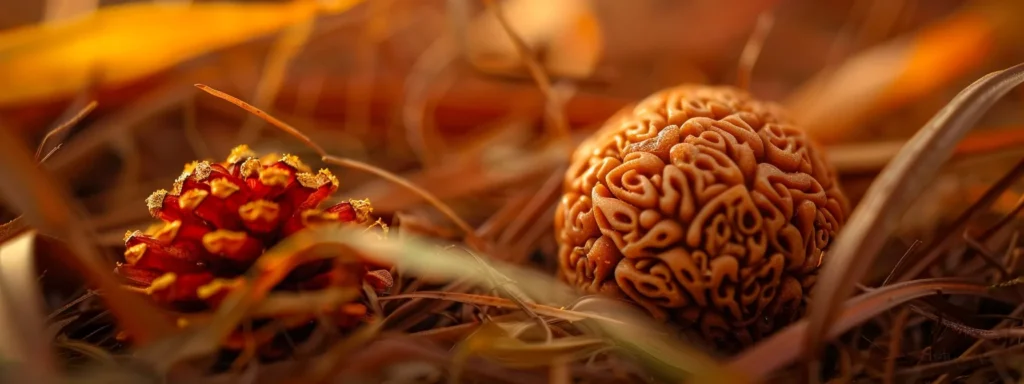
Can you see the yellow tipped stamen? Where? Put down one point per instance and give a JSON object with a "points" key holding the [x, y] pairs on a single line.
{"points": [[134, 253], [155, 202], [259, 210], [318, 180], [312, 217], [188, 169], [274, 177], [224, 241], [330, 176], [185, 174], [270, 158], [162, 282], [240, 153], [168, 232], [222, 188], [201, 171], [250, 168], [363, 209], [296, 163], [212, 288], [191, 199]]}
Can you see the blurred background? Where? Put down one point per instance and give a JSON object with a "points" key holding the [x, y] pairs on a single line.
{"points": [[437, 91], [441, 93]]}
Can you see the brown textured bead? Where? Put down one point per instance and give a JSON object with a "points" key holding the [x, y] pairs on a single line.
{"points": [[708, 208]]}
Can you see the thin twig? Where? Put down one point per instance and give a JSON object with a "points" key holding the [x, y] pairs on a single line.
{"points": [[946, 238], [986, 256], [327, 158], [1017, 208], [541, 200], [895, 338], [553, 109], [784, 347], [896, 267], [63, 127], [978, 344], [752, 50], [492, 301], [430, 65], [508, 287]]}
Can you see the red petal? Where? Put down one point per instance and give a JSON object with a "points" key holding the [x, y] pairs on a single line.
{"points": [[238, 248], [346, 212], [260, 216], [179, 290], [179, 256], [136, 276], [210, 209], [272, 181], [380, 279]]}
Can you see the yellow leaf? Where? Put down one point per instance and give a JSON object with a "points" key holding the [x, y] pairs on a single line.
{"points": [[122, 43]]}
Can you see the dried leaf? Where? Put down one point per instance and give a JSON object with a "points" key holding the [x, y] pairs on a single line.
{"points": [[888, 76], [568, 30], [121, 43], [892, 193], [784, 347], [21, 314], [45, 205]]}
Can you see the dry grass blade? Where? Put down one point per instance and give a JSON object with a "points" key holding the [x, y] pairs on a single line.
{"points": [[447, 211], [507, 286], [12, 228], [271, 267], [872, 156], [897, 72], [18, 225], [939, 247], [491, 301], [418, 88], [328, 364], [977, 346], [785, 347], [891, 193], [285, 48], [389, 351], [416, 256], [637, 333], [60, 129], [956, 367], [467, 178], [894, 344], [752, 50], [44, 204], [497, 344], [553, 107], [430, 198]]}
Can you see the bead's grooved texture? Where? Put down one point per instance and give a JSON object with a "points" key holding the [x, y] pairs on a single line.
{"points": [[708, 208]]}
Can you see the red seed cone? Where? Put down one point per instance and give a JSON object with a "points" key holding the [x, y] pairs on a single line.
{"points": [[218, 218]]}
